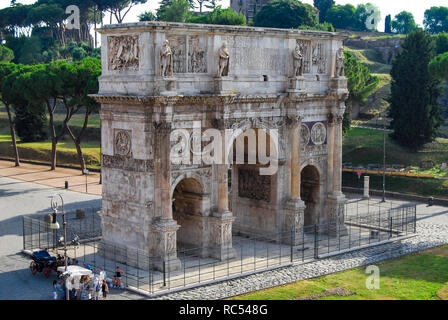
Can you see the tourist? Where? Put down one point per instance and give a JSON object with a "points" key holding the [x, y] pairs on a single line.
{"points": [[104, 289], [55, 290], [117, 280]]}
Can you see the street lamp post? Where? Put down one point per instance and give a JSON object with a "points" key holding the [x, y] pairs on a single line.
{"points": [[54, 225]]}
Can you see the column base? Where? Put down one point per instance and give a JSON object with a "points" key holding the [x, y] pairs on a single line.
{"points": [[335, 215], [164, 245], [294, 215], [220, 236]]}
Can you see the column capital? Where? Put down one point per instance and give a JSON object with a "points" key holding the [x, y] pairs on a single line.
{"points": [[293, 121], [334, 119], [162, 127]]}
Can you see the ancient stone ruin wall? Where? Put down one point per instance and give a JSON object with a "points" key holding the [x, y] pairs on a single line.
{"points": [[158, 77], [261, 59]]}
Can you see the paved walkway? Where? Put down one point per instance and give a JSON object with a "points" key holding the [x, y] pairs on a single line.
{"points": [[42, 175]]}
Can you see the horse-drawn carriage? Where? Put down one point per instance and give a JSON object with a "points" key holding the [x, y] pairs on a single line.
{"points": [[44, 262]]}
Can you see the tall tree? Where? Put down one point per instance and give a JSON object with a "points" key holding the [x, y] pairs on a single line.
{"points": [[441, 41], [404, 23], [388, 24], [6, 54], [117, 8], [415, 112], [7, 69], [147, 16], [342, 16], [40, 85], [436, 20], [286, 14], [220, 16], [361, 84], [174, 11], [323, 6], [82, 79]]}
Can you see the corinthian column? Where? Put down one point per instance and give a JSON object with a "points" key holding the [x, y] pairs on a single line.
{"points": [[294, 208], [295, 160], [162, 168], [330, 156], [337, 157]]}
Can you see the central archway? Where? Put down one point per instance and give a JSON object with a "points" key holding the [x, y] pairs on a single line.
{"points": [[310, 194], [187, 205], [253, 186]]}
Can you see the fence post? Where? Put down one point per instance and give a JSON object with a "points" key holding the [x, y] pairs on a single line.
{"points": [[164, 272], [138, 273], [38, 228], [415, 219], [303, 243], [23, 232], [390, 224], [126, 265], [292, 247]]}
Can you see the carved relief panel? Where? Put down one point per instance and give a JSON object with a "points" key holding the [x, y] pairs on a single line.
{"points": [[122, 142], [313, 134], [179, 49], [189, 53], [252, 185], [307, 51], [320, 57], [197, 60], [123, 52]]}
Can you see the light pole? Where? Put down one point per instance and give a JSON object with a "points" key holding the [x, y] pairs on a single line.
{"points": [[54, 225]]}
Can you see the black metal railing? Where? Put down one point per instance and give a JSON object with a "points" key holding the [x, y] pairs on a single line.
{"points": [[194, 266]]}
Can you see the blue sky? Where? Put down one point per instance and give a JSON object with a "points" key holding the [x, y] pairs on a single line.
{"points": [[392, 7]]}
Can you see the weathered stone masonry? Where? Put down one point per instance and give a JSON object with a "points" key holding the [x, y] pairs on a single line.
{"points": [[223, 77]]}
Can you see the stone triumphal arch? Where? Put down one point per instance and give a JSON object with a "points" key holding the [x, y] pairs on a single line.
{"points": [[161, 77]]}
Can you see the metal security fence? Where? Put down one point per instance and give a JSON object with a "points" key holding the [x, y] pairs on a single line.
{"points": [[369, 225], [82, 224]]}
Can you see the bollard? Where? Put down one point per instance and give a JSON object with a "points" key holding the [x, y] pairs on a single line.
{"points": [[366, 187], [66, 184], [430, 201]]}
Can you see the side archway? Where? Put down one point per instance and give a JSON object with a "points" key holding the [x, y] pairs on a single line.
{"points": [[189, 204], [310, 194]]}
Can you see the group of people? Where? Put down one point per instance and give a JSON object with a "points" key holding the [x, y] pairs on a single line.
{"points": [[87, 287]]}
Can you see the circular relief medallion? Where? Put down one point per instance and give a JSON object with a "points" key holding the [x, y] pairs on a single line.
{"points": [[304, 135], [122, 143], [318, 134]]}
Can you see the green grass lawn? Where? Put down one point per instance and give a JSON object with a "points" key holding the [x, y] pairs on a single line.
{"points": [[41, 151], [66, 151], [365, 146], [435, 187], [420, 276]]}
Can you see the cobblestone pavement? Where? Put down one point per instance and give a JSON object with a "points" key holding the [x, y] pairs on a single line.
{"points": [[429, 236]]}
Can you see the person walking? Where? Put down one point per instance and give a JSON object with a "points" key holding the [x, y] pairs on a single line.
{"points": [[55, 290], [104, 289]]}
